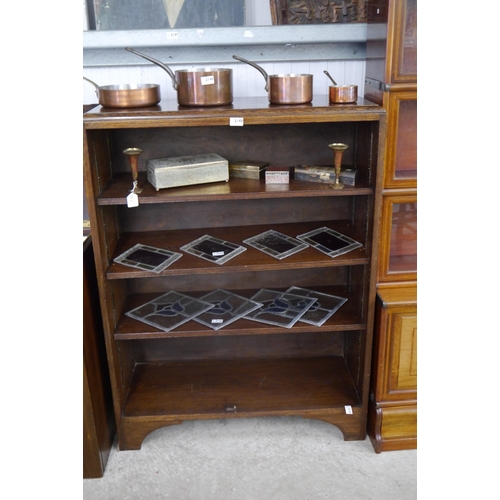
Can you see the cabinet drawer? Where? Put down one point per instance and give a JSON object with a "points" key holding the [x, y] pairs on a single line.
{"points": [[399, 422]]}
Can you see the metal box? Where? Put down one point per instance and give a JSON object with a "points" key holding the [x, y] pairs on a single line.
{"points": [[247, 169], [187, 170], [326, 175], [348, 176], [312, 173]]}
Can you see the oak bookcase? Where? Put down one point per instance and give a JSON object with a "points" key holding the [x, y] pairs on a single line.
{"points": [[246, 369]]}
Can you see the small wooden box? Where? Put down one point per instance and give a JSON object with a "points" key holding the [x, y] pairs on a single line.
{"points": [[187, 170]]}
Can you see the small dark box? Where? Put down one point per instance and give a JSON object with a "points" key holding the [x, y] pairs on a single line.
{"points": [[348, 176]]}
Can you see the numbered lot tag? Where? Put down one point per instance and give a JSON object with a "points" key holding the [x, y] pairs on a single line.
{"points": [[207, 80], [236, 122], [132, 200], [172, 35]]}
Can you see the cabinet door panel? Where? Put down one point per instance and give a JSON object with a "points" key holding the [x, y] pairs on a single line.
{"points": [[405, 54], [404, 362], [396, 344], [392, 41], [401, 166], [398, 250]]}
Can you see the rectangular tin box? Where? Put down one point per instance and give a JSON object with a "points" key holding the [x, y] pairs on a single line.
{"points": [[247, 169], [312, 173], [187, 170], [326, 175]]}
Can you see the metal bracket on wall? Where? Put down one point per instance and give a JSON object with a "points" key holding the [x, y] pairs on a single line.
{"points": [[210, 45], [377, 84]]}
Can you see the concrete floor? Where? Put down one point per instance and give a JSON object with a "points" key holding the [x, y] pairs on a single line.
{"points": [[285, 458]]}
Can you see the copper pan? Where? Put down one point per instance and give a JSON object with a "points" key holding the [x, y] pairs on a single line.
{"points": [[341, 94], [198, 86], [285, 89], [127, 96]]}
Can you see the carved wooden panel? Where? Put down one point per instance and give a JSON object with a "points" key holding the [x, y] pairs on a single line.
{"points": [[318, 11]]}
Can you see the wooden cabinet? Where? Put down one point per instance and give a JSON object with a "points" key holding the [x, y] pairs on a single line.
{"points": [[393, 409], [98, 418], [246, 369], [391, 80]]}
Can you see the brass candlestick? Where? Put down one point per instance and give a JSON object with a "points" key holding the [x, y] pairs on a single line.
{"points": [[133, 157], [338, 151]]}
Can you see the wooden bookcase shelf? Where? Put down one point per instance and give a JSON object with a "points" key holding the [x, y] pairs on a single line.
{"points": [[247, 368], [346, 319], [251, 259], [237, 189], [253, 386]]}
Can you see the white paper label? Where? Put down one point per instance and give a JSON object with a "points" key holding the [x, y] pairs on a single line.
{"points": [[217, 254], [217, 321], [348, 409], [132, 200], [172, 35], [207, 80], [236, 122]]}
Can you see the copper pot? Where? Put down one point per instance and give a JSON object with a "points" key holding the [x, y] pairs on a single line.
{"points": [[199, 86], [127, 96], [341, 94], [285, 89]]}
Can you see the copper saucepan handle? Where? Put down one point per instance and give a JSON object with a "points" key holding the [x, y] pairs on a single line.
{"points": [[94, 84], [329, 76], [158, 63], [256, 66]]}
